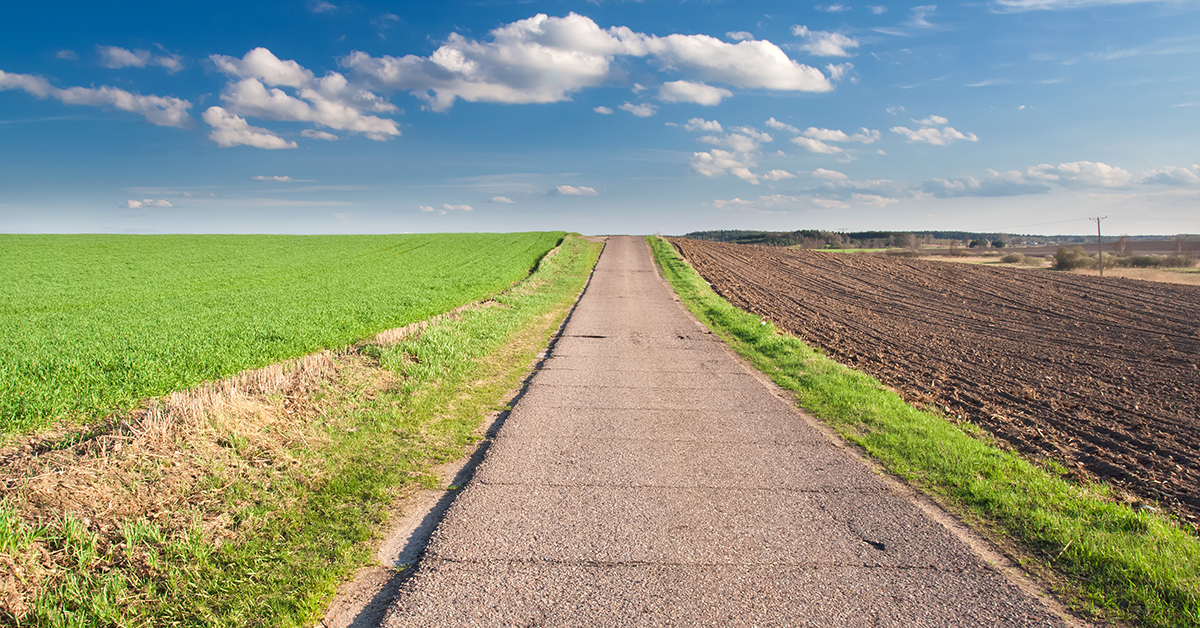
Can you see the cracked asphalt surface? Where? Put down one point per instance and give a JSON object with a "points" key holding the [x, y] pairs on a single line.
{"points": [[647, 479]]}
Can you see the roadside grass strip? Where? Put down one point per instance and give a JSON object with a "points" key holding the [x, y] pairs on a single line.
{"points": [[90, 324], [264, 506], [1103, 556]]}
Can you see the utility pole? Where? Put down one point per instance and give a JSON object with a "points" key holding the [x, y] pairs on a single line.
{"points": [[1099, 242]]}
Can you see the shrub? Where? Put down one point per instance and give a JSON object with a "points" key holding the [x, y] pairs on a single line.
{"points": [[1013, 258], [1071, 259], [998, 243], [903, 253], [1156, 261]]}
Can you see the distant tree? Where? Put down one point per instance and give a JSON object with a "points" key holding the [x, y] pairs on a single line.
{"points": [[978, 243], [1124, 246], [998, 243]]}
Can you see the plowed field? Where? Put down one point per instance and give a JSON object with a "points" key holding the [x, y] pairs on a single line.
{"points": [[1102, 375]]}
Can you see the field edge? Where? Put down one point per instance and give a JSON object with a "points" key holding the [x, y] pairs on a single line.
{"points": [[1098, 555]]}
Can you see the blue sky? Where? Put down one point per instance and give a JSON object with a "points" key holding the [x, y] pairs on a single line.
{"points": [[326, 116]]}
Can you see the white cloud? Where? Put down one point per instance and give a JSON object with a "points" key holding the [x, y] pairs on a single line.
{"points": [[313, 134], [66, 53], [546, 59], [816, 146], [739, 36], [717, 162], [931, 121], [427, 208], [230, 130], [158, 110], [643, 110], [1021, 6], [778, 175], [147, 202], [877, 10], [746, 140], [920, 15], [895, 110], [116, 57], [992, 184], [824, 43], [832, 175], [687, 91], [573, 190], [700, 124], [603, 110], [932, 135], [839, 71], [331, 101], [261, 64], [782, 126], [502, 199], [457, 208], [1172, 175], [276, 178], [323, 7], [1082, 173], [733, 202], [863, 136], [836, 7], [873, 199]]}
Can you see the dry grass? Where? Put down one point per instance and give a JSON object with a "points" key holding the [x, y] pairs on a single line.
{"points": [[170, 462]]}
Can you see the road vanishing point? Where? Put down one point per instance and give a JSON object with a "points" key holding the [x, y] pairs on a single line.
{"points": [[648, 478]]}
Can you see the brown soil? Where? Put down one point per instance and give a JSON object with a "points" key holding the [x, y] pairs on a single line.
{"points": [[1102, 375]]}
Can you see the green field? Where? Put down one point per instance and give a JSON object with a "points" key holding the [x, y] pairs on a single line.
{"points": [[93, 323]]}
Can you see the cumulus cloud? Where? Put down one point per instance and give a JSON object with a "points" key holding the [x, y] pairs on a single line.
{"points": [[502, 199], [313, 134], [1082, 174], [863, 136], [603, 110], [778, 175], [717, 162], [117, 57], [993, 183], [824, 43], [546, 59], [700, 124], [687, 91], [739, 35], [1172, 175], [158, 110], [832, 175], [427, 208], [930, 134], [230, 130], [733, 202], [146, 202], [576, 190], [931, 121], [643, 110], [840, 71], [263, 65], [816, 146], [457, 208], [331, 101], [782, 126], [276, 178]]}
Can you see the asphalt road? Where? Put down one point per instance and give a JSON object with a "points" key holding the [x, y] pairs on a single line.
{"points": [[647, 479]]}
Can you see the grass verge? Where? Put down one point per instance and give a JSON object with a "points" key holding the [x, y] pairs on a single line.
{"points": [[252, 515], [1102, 556]]}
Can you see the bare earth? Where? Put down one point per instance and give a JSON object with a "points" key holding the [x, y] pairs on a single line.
{"points": [[647, 479], [1102, 375]]}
